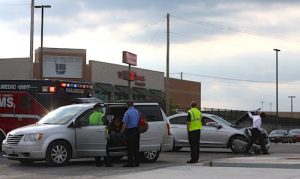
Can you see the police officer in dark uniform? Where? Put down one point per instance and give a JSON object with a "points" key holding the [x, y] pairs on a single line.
{"points": [[130, 128]]}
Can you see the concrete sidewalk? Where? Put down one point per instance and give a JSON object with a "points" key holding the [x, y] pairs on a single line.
{"points": [[285, 161], [283, 166]]}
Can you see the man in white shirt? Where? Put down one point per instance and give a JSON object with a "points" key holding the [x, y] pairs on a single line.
{"points": [[256, 131]]}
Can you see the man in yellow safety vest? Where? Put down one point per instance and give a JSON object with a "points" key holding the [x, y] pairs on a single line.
{"points": [[95, 118], [194, 125]]}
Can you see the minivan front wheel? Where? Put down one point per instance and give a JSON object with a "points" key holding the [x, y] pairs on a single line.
{"points": [[149, 156], [58, 153]]}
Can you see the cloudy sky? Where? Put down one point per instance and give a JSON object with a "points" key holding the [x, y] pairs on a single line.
{"points": [[225, 45]]}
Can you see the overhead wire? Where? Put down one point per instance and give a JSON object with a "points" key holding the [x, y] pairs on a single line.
{"points": [[208, 24], [294, 84]]}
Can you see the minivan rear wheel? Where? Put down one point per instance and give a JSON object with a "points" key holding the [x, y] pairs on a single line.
{"points": [[149, 156], [58, 153], [2, 137]]}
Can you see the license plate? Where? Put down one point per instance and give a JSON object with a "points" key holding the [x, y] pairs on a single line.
{"points": [[10, 151]]}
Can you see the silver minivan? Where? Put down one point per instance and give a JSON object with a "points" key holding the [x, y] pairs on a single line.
{"points": [[65, 133]]}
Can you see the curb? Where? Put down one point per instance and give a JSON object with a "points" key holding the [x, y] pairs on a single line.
{"points": [[257, 162], [251, 165]]}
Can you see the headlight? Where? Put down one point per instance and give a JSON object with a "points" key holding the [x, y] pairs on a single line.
{"points": [[33, 137]]}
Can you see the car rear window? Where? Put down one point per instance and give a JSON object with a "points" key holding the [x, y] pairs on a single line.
{"points": [[151, 112], [178, 120]]}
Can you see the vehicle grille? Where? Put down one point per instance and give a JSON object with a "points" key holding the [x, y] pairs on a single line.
{"points": [[14, 139]]}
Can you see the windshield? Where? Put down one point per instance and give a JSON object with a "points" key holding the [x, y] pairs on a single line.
{"points": [[220, 120], [295, 131], [278, 132], [61, 115]]}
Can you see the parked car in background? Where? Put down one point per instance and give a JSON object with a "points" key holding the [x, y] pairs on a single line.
{"points": [[279, 135], [216, 133], [294, 135]]}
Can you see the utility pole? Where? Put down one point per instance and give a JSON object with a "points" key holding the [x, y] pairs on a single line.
{"points": [[277, 119], [262, 105], [31, 36], [291, 104], [42, 35], [167, 70]]}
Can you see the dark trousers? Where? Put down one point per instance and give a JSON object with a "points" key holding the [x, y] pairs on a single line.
{"points": [[133, 146], [194, 140], [257, 135], [106, 159]]}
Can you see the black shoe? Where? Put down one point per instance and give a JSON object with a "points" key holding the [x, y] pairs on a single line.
{"points": [[128, 165], [191, 161]]}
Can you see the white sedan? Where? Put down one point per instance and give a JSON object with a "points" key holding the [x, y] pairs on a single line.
{"points": [[216, 133]]}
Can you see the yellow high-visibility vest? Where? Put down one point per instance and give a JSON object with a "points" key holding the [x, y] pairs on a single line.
{"points": [[196, 119], [96, 118]]}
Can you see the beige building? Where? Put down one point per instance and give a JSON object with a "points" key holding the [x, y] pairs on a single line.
{"points": [[15, 69], [108, 79]]}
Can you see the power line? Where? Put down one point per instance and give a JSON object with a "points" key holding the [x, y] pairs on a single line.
{"points": [[236, 79], [223, 78], [231, 29], [17, 4]]}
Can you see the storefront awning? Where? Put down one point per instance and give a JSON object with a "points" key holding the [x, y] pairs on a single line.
{"points": [[104, 87], [141, 91], [155, 92], [121, 89]]}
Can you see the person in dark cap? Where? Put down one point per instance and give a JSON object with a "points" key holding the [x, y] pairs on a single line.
{"points": [[130, 128]]}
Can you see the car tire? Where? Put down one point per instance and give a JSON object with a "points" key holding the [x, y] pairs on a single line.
{"points": [[149, 156], [2, 137], [175, 148], [232, 146], [58, 153]]}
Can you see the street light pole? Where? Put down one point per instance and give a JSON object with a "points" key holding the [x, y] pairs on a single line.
{"points": [[31, 30], [42, 34], [277, 120], [167, 67], [292, 104]]}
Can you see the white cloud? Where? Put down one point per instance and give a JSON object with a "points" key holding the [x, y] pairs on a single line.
{"points": [[208, 47], [13, 44]]}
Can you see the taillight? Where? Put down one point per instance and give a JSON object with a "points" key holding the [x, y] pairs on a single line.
{"points": [[169, 129]]}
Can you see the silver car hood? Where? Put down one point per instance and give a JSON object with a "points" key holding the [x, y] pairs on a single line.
{"points": [[34, 128]]}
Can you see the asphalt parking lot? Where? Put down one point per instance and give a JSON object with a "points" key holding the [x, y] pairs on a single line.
{"points": [[85, 168]]}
